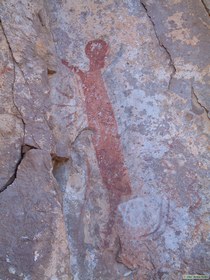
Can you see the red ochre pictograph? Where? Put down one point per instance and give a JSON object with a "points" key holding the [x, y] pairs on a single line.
{"points": [[5, 70], [101, 120]]}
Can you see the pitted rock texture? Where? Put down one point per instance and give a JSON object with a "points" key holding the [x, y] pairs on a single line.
{"points": [[33, 239], [104, 139]]}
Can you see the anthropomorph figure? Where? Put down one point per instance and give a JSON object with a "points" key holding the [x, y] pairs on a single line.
{"points": [[101, 120]]}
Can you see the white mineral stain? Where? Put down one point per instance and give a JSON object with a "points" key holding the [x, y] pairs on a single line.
{"points": [[171, 240], [178, 232], [141, 213], [27, 277], [36, 256], [53, 278], [12, 270], [127, 273]]}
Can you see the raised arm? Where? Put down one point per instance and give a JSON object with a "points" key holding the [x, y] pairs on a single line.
{"points": [[72, 68]]}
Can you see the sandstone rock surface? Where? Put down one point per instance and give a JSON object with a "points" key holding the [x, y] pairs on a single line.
{"points": [[104, 139]]}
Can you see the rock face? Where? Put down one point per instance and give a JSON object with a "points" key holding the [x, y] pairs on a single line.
{"points": [[33, 237], [104, 139]]}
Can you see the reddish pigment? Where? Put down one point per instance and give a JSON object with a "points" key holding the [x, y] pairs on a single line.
{"points": [[101, 120], [5, 70]]}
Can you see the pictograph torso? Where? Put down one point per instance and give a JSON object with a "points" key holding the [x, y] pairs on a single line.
{"points": [[101, 120]]}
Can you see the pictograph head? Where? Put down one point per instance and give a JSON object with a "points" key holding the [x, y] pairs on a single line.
{"points": [[96, 51]]}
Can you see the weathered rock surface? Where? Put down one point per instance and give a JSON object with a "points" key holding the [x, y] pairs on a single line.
{"points": [[33, 241], [111, 99]]}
